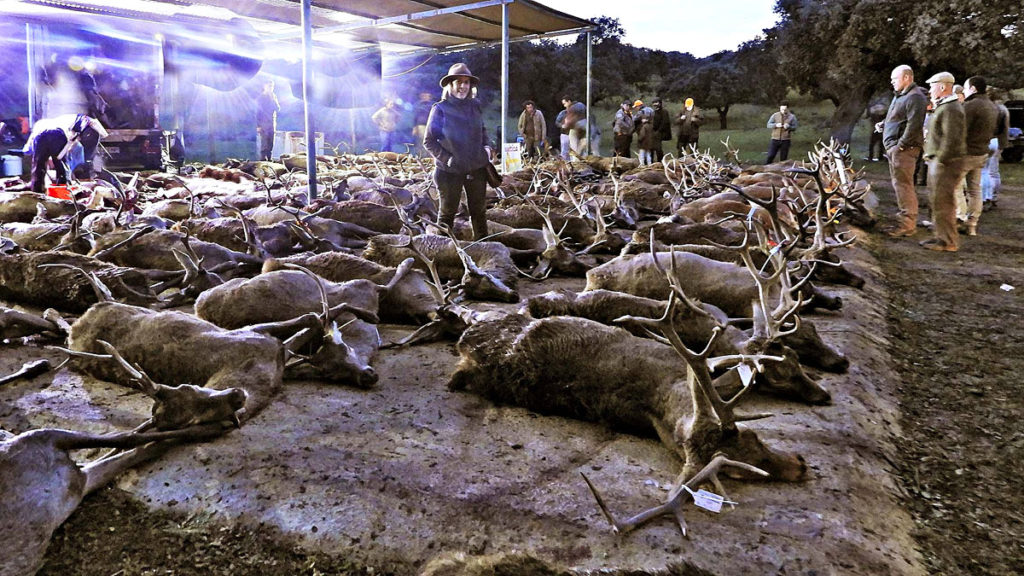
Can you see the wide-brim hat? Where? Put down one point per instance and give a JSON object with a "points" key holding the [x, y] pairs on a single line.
{"points": [[459, 69]]}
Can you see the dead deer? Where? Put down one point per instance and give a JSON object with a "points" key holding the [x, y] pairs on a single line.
{"points": [[556, 257], [337, 354], [183, 405], [573, 367], [53, 279], [153, 251], [484, 270], [176, 347], [43, 485], [408, 299], [23, 206], [448, 319], [17, 324]]}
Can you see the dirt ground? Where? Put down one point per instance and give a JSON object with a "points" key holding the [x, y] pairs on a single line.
{"points": [[909, 473], [959, 347]]}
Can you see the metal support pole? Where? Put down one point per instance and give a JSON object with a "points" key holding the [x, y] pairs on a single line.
{"points": [[589, 59], [30, 54], [307, 92], [504, 83]]}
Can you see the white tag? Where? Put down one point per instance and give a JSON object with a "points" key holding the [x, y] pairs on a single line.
{"points": [[1006, 287], [750, 215], [707, 500], [746, 374]]}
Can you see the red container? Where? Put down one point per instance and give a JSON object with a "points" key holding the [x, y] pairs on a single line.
{"points": [[59, 191]]}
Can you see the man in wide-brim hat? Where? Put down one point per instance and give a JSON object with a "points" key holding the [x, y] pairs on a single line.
{"points": [[457, 140]]}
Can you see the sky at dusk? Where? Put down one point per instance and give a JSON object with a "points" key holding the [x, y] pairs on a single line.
{"points": [[700, 28]]}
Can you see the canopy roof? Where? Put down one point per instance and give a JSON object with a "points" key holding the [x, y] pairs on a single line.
{"points": [[436, 25]]}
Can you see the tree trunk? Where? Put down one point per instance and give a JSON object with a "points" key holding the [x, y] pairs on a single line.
{"points": [[722, 112], [848, 112]]}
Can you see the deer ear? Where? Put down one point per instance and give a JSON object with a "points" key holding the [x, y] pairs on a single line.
{"points": [[335, 332]]}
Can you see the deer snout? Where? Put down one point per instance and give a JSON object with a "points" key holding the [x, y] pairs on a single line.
{"points": [[367, 378]]}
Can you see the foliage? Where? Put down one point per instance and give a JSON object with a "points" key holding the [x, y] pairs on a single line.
{"points": [[844, 50]]}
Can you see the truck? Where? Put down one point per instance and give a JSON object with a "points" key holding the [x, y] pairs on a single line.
{"points": [[1014, 150]]}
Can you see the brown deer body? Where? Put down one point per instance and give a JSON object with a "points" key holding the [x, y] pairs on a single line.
{"points": [[489, 274], [346, 357], [723, 284], [410, 299], [583, 369], [180, 348], [42, 484], [27, 278]]}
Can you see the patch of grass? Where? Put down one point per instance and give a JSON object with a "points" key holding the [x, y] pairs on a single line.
{"points": [[748, 132]]}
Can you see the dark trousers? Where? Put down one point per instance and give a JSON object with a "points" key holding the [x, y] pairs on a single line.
{"points": [[532, 147], [48, 145], [685, 141], [266, 134], [450, 186], [920, 170], [622, 142], [875, 147], [780, 147], [658, 152]]}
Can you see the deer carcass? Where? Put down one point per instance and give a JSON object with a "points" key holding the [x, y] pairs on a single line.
{"points": [[283, 295], [153, 250], [43, 485], [484, 269], [175, 347], [410, 299], [574, 367], [723, 284], [23, 206], [55, 279], [784, 378]]}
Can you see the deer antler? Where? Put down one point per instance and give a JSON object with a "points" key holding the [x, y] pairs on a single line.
{"points": [[677, 497]]}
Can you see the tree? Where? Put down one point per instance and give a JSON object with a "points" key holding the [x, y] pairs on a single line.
{"points": [[844, 50]]}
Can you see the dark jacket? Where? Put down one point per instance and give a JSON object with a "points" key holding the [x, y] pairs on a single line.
{"points": [[689, 122], [623, 123], [904, 123], [662, 124], [576, 119], [1002, 125], [456, 136], [421, 112], [266, 111], [946, 131], [981, 116]]}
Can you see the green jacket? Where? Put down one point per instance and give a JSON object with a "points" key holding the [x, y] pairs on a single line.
{"points": [[946, 131]]}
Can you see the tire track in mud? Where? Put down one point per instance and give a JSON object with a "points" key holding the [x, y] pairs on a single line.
{"points": [[958, 337]]}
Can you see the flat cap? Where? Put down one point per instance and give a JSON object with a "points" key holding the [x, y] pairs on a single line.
{"points": [[942, 77]]}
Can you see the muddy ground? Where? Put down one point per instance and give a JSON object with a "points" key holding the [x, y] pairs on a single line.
{"points": [[959, 349], [331, 480]]}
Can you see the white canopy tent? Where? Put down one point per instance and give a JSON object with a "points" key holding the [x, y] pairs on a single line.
{"points": [[403, 27]]}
